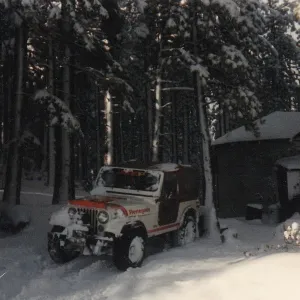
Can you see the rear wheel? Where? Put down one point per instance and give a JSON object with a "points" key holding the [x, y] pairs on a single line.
{"points": [[56, 252], [129, 250], [186, 234]]}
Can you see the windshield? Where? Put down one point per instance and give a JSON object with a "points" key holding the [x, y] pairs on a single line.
{"points": [[129, 179]]}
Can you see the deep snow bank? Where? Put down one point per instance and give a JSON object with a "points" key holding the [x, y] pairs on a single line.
{"points": [[288, 232], [37, 278], [270, 277], [203, 270]]}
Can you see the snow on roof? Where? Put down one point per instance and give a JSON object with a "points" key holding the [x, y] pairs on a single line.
{"points": [[290, 163], [166, 167], [277, 125]]}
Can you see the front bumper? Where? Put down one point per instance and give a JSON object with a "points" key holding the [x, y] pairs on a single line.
{"points": [[84, 243]]}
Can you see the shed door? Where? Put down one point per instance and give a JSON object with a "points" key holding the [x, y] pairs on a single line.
{"points": [[293, 184], [282, 186]]}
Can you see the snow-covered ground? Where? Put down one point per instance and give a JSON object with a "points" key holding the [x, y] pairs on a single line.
{"points": [[203, 270]]}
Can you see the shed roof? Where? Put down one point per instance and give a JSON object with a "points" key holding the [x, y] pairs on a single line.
{"points": [[277, 125], [290, 163]]}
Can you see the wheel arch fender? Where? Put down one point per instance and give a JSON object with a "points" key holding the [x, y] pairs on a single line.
{"points": [[189, 211], [135, 226]]}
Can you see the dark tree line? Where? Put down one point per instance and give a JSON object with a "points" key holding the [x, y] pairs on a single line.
{"points": [[86, 83]]}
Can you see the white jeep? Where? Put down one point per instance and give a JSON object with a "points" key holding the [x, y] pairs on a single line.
{"points": [[127, 208]]}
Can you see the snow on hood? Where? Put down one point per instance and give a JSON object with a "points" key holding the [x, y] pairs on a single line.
{"points": [[98, 190], [60, 218]]}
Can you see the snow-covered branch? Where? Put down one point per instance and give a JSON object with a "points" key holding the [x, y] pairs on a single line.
{"points": [[59, 113], [176, 88]]}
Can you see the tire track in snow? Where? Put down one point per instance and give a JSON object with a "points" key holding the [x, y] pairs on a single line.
{"points": [[92, 278], [65, 279]]}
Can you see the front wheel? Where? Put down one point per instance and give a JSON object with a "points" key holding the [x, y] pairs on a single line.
{"points": [[186, 234], [129, 251], [57, 253]]}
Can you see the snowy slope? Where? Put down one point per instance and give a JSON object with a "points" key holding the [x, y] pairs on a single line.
{"points": [[200, 271]]}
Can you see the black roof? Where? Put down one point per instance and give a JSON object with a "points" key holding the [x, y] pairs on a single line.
{"points": [[164, 167]]}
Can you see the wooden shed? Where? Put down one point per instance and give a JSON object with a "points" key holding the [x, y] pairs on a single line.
{"points": [[243, 164]]}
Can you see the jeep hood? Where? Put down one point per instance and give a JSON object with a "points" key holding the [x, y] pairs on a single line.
{"points": [[132, 205]]}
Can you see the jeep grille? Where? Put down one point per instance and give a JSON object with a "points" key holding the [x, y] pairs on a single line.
{"points": [[92, 213]]}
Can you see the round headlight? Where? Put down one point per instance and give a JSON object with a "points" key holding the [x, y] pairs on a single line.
{"points": [[72, 211], [103, 217]]}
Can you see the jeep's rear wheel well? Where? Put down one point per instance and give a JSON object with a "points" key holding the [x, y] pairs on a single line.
{"points": [[137, 227], [190, 212]]}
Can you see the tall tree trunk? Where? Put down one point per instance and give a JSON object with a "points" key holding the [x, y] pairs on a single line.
{"points": [[2, 99], [63, 188], [297, 100], [211, 221], [63, 178], [8, 68], [65, 138], [44, 165], [185, 134], [133, 137], [1, 133], [143, 140], [80, 162], [58, 163], [157, 122], [102, 129], [150, 120], [174, 129], [2, 84], [109, 128], [14, 167], [98, 129], [51, 131], [211, 217], [158, 107], [121, 139], [116, 131], [72, 168], [163, 132]]}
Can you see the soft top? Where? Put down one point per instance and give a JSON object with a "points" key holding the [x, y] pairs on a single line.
{"points": [[133, 164], [164, 167], [169, 167]]}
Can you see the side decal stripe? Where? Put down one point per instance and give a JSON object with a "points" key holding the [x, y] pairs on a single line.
{"points": [[163, 228]]}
